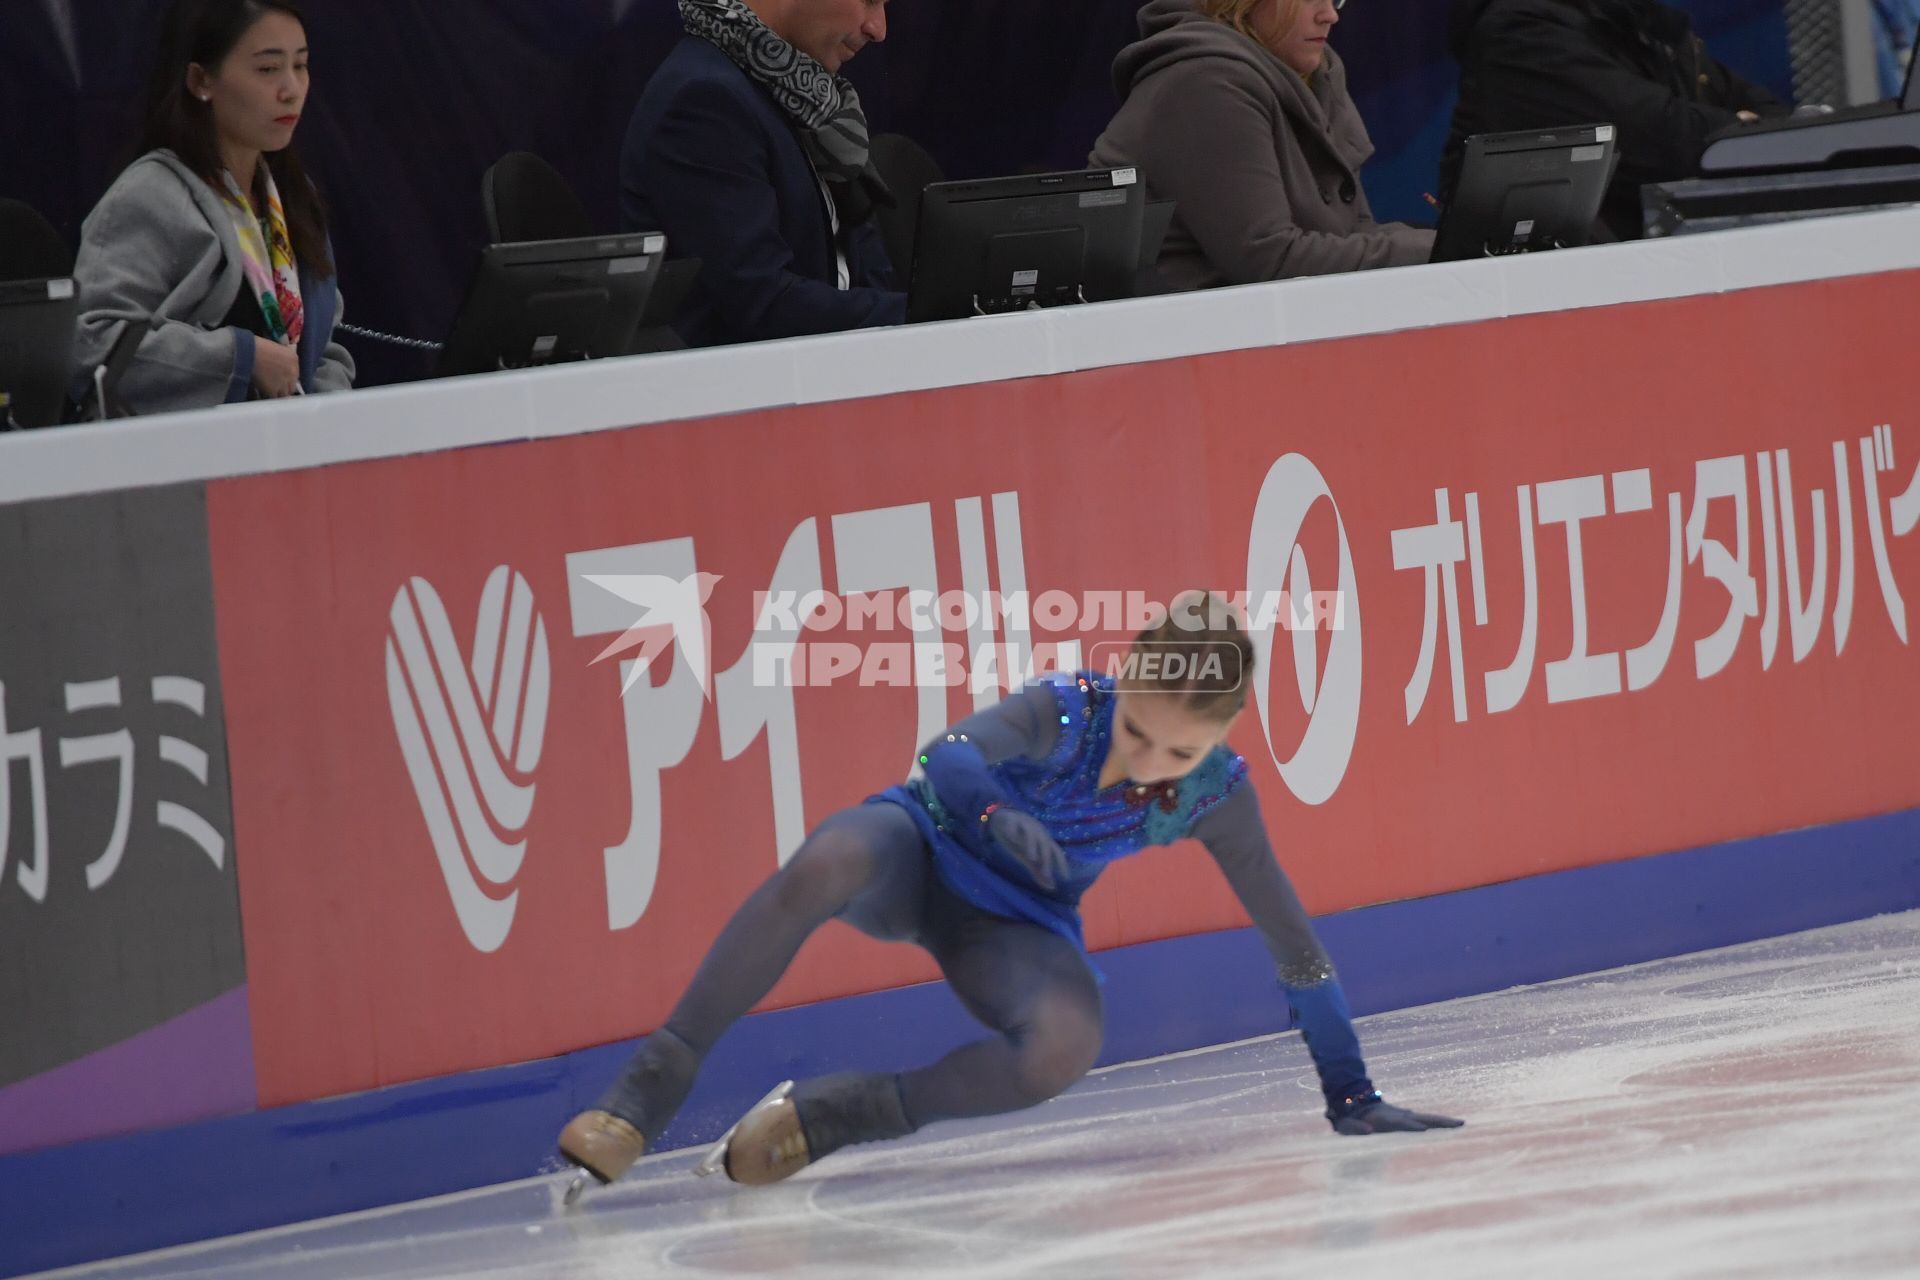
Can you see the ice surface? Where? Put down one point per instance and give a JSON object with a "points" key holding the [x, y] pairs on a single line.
{"points": [[1747, 1112]]}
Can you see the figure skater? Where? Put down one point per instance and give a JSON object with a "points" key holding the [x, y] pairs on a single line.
{"points": [[982, 861]]}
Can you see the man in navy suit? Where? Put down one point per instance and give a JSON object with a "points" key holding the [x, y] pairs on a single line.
{"points": [[749, 151]]}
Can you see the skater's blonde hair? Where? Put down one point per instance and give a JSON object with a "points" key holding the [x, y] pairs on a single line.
{"points": [[1208, 633]]}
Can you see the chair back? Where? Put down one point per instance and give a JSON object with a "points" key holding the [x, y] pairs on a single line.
{"points": [[907, 169], [525, 198], [30, 247]]}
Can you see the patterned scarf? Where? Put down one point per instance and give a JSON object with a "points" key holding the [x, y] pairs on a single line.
{"points": [[824, 106], [271, 271]]}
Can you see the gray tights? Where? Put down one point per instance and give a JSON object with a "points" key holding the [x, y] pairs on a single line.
{"points": [[869, 867]]}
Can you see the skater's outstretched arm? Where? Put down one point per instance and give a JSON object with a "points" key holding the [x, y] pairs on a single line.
{"points": [[1234, 833]]}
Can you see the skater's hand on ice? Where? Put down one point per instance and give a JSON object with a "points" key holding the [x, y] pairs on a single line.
{"points": [[1381, 1116], [1026, 838]]}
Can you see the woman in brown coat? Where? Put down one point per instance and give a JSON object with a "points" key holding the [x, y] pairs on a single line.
{"points": [[1238, 112]]}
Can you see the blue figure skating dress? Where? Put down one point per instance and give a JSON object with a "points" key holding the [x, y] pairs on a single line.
{"points": [[1062, 727], [1041, 751]]}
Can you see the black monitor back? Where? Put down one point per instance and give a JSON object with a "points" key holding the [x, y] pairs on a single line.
{"points": [[548, 301], [1910, 93], [1034, 240], [1528, 190], [37, 319]]}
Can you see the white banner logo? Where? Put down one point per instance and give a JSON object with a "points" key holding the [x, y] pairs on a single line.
{"points": [[1276, 563], [471, 733]]}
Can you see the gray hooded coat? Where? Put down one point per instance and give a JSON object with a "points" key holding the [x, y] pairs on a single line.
{"points": [[1264, 167], [160, 247]]}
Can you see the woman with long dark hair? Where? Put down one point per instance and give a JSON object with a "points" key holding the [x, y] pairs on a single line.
{"points": [[215, 236]]}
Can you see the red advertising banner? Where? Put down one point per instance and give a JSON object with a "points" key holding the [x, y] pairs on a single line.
{"points": [[1550, 591]]}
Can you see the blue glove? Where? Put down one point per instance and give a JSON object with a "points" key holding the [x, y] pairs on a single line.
{"points": [[1027, 839], [1374, 1114], [1354, 1106], [961, 778]]}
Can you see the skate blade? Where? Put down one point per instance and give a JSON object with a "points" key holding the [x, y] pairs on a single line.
{"points": [[576, 1188], [715, 1161]]}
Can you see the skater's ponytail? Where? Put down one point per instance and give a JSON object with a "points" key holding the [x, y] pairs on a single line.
{"points": [[1200, 652]]}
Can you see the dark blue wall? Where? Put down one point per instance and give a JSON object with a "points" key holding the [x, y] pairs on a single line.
{"points": [[412, 100]]}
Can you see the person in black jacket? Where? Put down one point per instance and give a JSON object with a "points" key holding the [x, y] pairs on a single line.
{"points": [[750, 151], [1634, 64]]}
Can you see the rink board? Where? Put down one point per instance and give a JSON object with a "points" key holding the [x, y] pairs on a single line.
{"points": [[1559, 617], [1606, 582]]}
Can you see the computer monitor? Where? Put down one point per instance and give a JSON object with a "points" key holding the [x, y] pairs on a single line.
{"points": [[1034, 240], [1525, 191], [1909, 99], [37, 320], [547, 301]]}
